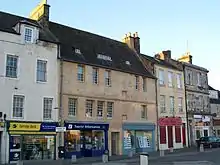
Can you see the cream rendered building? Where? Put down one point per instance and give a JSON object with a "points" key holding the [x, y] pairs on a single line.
{"points": [[172, 123]]}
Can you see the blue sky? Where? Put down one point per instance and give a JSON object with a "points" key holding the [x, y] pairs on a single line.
{"points": [[161, 24]]}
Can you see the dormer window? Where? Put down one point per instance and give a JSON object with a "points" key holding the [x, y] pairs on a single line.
{"points": [[28, 34], [77, 51]]}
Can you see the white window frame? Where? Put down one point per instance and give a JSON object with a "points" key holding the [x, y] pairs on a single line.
{"points": [[89, 108], [72, 107], [110, 109], [81, 76], [32, 35], [107, 78], [13, 107], [161, 77], [170, 79], [100, 108], [179, 81], [46, 71], [6, 61], [162, 104], [48, 110], [180, 104], [95, 75], [172, 105]]}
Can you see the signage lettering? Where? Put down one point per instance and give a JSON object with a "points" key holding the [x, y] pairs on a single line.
{"points": [[15, 126]]}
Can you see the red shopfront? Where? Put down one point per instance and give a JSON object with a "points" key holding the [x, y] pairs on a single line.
{"points": [[172, 132]]}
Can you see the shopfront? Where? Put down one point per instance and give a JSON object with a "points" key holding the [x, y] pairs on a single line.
{"points": [[138, 137], [31, 140], [86, 139], [172, 133]]}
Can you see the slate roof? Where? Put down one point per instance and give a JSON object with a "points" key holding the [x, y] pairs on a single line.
{"points": [[160, 62], [91, 45], [8, 21]]}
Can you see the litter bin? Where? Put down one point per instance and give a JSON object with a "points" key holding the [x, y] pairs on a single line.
{"points": [[144, 159], [105, 156], [61, 152]]}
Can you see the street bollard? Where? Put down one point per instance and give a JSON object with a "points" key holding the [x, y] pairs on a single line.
{"points": [[130, 154], [20, 162], [171, 149], [201, 148], [144, 159], [105, 157], [73, 159], [161, 152]]}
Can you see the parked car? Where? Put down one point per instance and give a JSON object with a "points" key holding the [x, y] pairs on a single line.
{"points": [[209, 142]]}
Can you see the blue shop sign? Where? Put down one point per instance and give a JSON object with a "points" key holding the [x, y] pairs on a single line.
{"points": [[48, 127], [86, 126]]}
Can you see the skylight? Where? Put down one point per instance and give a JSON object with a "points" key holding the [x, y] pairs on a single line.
{"points": [[104, 57], [127, 62], [77, 51]]}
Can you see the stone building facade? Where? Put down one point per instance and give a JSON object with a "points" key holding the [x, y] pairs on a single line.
{"points": [[197, 99]]}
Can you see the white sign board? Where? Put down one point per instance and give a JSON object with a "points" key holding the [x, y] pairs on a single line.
{"points": [[60, 129]]}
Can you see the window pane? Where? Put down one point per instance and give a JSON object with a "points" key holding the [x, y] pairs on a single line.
{"points": [[80, 73], [95, 76], [41, 70], [100, 107], [11, 66], [47, 110], [89, 108], [110, 109], [28, 34], [18, 106], [72, 104]]}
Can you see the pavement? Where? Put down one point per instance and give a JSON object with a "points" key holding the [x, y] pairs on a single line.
{"points": [[178, 156]]}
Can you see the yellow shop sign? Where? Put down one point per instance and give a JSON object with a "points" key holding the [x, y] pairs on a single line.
{"points": [[16, 126]]}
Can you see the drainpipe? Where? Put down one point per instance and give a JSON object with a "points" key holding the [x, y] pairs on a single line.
{"points": [[157, 114], [187, 117], [61, 119]]}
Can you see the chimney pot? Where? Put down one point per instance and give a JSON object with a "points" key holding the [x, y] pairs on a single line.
{"points": [[129, 34]]}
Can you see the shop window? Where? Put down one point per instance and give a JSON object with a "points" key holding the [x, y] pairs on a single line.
{"points": [[198, 135], [100, 107], [163, 139], [80, 140], [206, 133], [110, 109], [128, 139], [73, 140], [178, 134], [98, 142], [89, 108], [143, 139], [15, 143], [38, 147]]}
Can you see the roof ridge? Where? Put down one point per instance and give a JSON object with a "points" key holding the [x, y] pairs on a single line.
{"points": [[18, 16], [89, 33]]}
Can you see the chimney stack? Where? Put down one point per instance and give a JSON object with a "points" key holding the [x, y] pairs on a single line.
{"points": [[186, 58], [41, 13], [133, 41], [164, 55]]}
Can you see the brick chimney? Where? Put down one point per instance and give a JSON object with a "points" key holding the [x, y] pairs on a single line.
{"points": [[164, 55], [186, 58], [133, 41], [41, 13]]}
